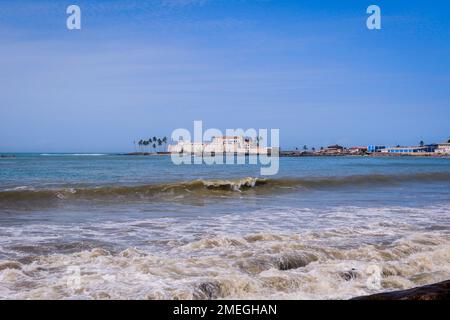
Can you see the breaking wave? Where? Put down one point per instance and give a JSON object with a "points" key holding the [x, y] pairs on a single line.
{"points": [[205, 188]]}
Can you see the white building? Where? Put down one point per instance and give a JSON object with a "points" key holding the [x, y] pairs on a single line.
{"points": [[443, 148], [186, 147], [222, 144]]}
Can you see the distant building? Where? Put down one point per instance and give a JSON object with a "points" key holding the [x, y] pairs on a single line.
{"points": [[357, 150], [374, 148], [419, 149], [333, 149], [220, 145], [443, 148]]}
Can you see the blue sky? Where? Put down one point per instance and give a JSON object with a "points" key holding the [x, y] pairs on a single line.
{"points": [[144, 68]]}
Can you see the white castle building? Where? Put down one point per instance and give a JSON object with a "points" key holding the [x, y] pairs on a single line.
{"points": [[220, 145]]}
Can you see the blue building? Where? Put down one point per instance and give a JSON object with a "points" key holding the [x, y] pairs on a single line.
{"points": [[375, 148], [426, 148]]}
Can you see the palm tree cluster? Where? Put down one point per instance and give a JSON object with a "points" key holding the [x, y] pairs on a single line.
{"points": [[156, 144]]}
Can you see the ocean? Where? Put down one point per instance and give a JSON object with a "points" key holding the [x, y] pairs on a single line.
{"points": [[101, 226]]}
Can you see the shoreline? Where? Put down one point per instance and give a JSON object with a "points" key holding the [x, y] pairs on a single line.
{"points": [[297, 154]]}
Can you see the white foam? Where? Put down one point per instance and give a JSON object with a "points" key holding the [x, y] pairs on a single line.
{"points": [[284, 253]]}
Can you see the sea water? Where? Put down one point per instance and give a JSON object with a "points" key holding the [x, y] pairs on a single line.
{"points": [[141, 227]]}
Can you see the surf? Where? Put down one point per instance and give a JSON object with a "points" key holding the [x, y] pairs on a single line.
{"points": [[199, 188]]}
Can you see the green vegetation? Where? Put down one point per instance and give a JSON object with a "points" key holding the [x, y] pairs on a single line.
{"points": [[154, 144]]}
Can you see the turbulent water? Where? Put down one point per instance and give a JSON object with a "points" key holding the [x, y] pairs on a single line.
{"points": [[109, 227]]}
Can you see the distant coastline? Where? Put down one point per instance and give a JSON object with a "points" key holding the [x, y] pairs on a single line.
{"points": [[294, 154], [376, 155], [285, 154], [242, 145]]}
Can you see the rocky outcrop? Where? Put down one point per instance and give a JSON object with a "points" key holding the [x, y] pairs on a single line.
{"points": [[437, 291]]}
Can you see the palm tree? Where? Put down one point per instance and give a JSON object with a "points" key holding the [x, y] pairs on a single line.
{"points": [[159, 143], [421, 143], [321, 148], [305, 147], [140, 143], [165, 142], [313, 149]]}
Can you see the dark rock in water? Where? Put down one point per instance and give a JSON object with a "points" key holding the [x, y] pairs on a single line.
{"points": [[289, 262], [10, 265], [255, 265], [349, 275], [208, 290], [437, 291]]}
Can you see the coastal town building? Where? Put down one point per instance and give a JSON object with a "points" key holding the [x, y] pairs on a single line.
{"points": [[416, 149], [220, 145], [443, 148], [357, 150], [334, 149], [374, 148]]}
